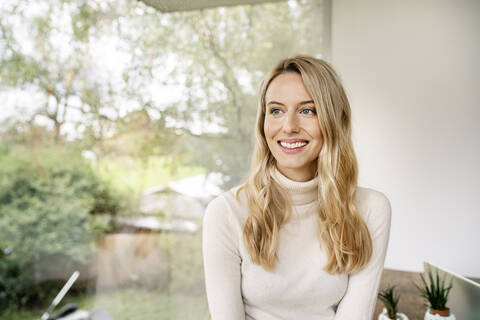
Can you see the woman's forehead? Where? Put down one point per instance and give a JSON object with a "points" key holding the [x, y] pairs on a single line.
{"points": [[287, 88]]}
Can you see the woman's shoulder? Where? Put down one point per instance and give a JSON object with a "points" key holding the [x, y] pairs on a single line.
{"points": [[227, 207], [222, 227], [373, 205], [227, 199], [372, 197]]}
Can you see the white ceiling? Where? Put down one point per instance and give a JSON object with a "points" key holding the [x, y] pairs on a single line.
{"points": [[186, 5]]}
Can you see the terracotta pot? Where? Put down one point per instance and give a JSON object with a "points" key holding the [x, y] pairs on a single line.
{"points": [[432, 314], [443, 313]]}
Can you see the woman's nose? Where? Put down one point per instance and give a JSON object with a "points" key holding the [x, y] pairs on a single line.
{"points": [[290, 124]]}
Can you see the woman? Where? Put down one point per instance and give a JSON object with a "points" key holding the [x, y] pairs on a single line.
{"points": [[299, 239]]}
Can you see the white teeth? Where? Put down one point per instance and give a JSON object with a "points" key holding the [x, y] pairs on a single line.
{"points": [[292, 145]]}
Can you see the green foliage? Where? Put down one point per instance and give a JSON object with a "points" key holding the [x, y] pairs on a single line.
{"points": [[434, 290], [50, 206], [390, 300], [19, 70], [85, 18], [133, 175]]}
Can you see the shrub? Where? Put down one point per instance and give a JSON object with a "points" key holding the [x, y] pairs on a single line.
{"points": [[50, 201]]}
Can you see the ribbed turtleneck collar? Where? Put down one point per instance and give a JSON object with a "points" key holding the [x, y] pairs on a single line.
{"points": [[301, 193]]}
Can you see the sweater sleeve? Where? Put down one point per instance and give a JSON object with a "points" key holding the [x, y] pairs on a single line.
{"points": [[361, 295], [222, 261]]}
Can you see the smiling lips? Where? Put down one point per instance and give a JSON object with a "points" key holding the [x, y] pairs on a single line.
{"points": [[292, 145]]}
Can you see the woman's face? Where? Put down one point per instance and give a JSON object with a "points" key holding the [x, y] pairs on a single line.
{"points": [[291, 127]]}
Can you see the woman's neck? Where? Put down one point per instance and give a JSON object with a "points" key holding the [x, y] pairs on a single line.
{"points": [[300, 192], [299, 174]]}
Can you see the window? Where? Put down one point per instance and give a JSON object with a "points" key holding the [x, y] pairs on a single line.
{"points": [[119, 124]]}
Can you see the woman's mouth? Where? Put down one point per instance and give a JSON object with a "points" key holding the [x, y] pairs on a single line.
{"points": [[292, 146]]}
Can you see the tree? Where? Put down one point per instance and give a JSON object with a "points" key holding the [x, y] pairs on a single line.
{"points": [[192, 75], [40, 63], [225, 52]]}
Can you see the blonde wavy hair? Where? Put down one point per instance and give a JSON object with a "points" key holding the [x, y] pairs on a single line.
{"points": [[342, 232]]}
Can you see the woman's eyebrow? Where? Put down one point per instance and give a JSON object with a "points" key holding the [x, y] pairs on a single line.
{"points": [[305, 102], [275, 102], [298, 104]]}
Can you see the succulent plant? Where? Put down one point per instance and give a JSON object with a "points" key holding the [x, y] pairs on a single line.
{"points": [[390, 300], [434, 291]]}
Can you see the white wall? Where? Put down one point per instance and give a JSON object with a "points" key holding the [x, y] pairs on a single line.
{"points": [[412, 72]]}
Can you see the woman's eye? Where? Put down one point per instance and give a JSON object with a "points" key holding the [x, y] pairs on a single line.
{"points": [[308, 111], [275, 111]]}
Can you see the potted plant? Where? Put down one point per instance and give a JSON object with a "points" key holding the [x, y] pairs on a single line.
{"points": [[435, 292], [390, 300]]}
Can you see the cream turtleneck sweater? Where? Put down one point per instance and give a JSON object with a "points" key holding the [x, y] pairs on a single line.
{"points": [[298, 288]]}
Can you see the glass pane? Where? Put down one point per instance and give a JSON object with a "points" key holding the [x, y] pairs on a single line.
{"points": [[119, 124]]}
